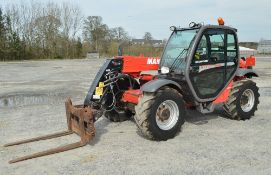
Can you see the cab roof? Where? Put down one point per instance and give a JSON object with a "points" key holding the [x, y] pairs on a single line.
{"points": [[209, 26]]}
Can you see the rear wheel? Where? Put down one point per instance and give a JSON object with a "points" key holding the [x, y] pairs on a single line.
{"points": [[243, 100], [160, 115]]}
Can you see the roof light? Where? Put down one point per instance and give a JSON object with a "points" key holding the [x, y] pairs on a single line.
{"points": [[220, 21]]}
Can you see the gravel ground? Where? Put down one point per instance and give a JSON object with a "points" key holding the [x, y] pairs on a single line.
{"points": [[32, 95]]}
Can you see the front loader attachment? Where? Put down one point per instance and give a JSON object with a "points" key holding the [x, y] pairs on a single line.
{"points": [[79, 120]]}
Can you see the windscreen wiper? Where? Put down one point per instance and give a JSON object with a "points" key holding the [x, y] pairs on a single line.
{"points": [[176, 59]]}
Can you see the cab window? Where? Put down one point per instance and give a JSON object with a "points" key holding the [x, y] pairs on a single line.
{"points": [[231, 48], [201, 54], [211, 48], [217, 46]]}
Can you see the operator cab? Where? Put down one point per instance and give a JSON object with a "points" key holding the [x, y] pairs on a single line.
{"points": [[206, 55]]}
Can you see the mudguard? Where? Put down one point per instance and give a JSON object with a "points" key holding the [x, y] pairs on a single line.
{"points": [[246, 72], [154, 85]]}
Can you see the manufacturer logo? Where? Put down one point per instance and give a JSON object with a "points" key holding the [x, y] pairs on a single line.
{"points": [[152, 60]]}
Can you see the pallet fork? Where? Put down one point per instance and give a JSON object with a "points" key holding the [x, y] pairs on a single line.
{"points": [[79, 121]]}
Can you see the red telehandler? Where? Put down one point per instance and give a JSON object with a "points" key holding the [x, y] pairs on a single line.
{"points": [[200, 68]]}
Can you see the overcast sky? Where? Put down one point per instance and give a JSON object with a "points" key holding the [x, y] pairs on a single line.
{"points": [[252, 18]]}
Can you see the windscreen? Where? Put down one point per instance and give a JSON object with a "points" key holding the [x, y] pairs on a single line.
{"points": [[177, 48]]}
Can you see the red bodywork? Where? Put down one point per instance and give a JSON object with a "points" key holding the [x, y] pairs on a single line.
{"points": [[225, 94], [246, 63], [134, 65], [249, 62], [131, 96]]}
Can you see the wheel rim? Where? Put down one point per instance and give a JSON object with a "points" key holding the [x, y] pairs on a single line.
{"points": [[247, 100], [167, 115]]}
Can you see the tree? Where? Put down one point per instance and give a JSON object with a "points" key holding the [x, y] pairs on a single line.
{"points": [[119, 34], [79, 48], [14, 41], [147, 36], [10, 43], [95, 32], [2, 35], [51, 30], [46, 30], [2, 24], [71, 20]]}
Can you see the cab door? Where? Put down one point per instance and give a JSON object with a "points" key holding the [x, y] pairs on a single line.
{"points": [[208, 69]]}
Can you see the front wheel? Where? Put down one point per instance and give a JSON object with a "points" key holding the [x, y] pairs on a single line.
{"points": [[160, 115]]}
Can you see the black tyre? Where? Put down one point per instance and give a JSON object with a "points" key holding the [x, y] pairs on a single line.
{"points": [[160, 115], [243, 100]]}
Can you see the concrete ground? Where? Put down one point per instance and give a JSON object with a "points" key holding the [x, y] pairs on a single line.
{"points": [[32, 95]]}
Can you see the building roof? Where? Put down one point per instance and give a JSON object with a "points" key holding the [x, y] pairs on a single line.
{"points": [[265, 42]]}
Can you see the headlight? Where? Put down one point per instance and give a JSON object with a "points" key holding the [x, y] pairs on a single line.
{"points": [[164, 70]]}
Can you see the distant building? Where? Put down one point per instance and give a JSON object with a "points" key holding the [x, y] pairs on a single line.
{"points": [[155, 43], [251, 45], [264, 47], [246, 52]]}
